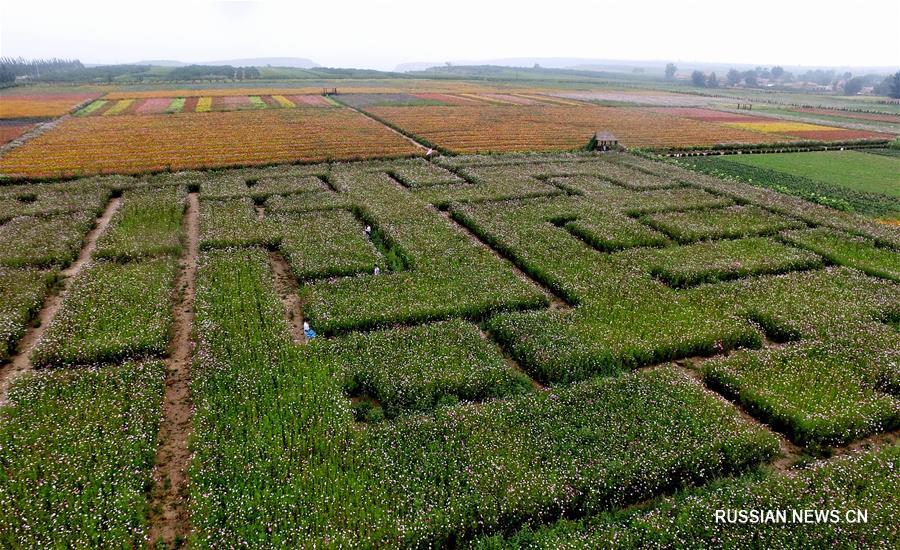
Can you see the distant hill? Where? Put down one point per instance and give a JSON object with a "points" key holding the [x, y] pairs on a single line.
{"points": [[621, 65], [292, 62], [162, 63], [528, 62]]}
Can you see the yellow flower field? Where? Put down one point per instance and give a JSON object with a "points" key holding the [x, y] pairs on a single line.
{"points": [[779, 127]]}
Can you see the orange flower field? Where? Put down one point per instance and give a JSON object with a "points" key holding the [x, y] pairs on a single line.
{"points": [[92, 145], [499, 128], [24, 106], [12, 131]]}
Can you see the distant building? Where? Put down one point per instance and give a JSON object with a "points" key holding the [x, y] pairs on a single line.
{"points": [[604, 141]]}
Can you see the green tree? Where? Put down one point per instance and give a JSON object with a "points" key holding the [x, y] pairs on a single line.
{"points": [[777, 71], [853, 86], [698, 79], [890, 86], [7, 75], [671, 69], [712, 81], [733, 78], [749, 78]]}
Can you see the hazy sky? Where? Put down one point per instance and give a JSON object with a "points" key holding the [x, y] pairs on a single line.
{"points": [[380, 34]]}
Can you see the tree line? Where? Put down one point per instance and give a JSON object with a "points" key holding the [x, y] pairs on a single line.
{"points": [[72, 70], [12, 67], [847, 83]]}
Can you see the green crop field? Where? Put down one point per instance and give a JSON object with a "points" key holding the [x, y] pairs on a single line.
{"points": [[511, 350], [852, 169], [321, 339]]}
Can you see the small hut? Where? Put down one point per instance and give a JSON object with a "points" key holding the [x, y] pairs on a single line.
{"points": [[604, 141]]}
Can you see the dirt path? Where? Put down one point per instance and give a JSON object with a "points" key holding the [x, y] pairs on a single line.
{"points": [[789, 451], [401, 134], [169, 515], [556, 301], [513, 364], [287, 288], [20, 362], [42, 127]]}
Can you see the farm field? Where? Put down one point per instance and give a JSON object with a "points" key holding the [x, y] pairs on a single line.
{"points": [[40, 105], [864, 182], [537, 126], [507, 128], [132, 144], [852, 169], [538, 349], [137, 130], [9, 132]]}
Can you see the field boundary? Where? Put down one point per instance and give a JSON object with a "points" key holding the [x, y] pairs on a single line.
{"points": [[21, 361], [287, 287], [169, 519], [408, 137]]}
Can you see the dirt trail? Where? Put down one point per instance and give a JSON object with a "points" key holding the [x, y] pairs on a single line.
{"points": [[169, 515], [40, 128], [287, 288], [789, 451], [556, 301], [401, 134], [20, 362], [513, 364]]}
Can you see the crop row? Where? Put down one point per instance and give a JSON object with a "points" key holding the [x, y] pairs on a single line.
{"points": [[835, 316], [42, 242], [623, 318], [90, 145], [112, 311], [77, 450], [9, 132], [775, 201], [841, 198], [317, 244], [258, 187], [709, 262], [862, 483], [850, 250], [505, 128], [51, 199], [841, 404], [416, 369], [731, 222], [22, 293], [148, 223], [421, 173], [274, 459], [448, 274], [325, 244], [40, 105], [163, 105], [573, 451]]}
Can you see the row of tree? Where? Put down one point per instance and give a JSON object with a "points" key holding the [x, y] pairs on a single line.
{"points": [[36, 68], [203, 72], [72, 70], [847, 83]]}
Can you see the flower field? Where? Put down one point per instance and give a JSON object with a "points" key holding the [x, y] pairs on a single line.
{"points": [[9, 132], [124, 144], [509, 128], [558, 349], [201, 104], [40, 105]]}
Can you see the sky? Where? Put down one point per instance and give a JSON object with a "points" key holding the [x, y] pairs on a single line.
{"points": [[380, 34]]}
